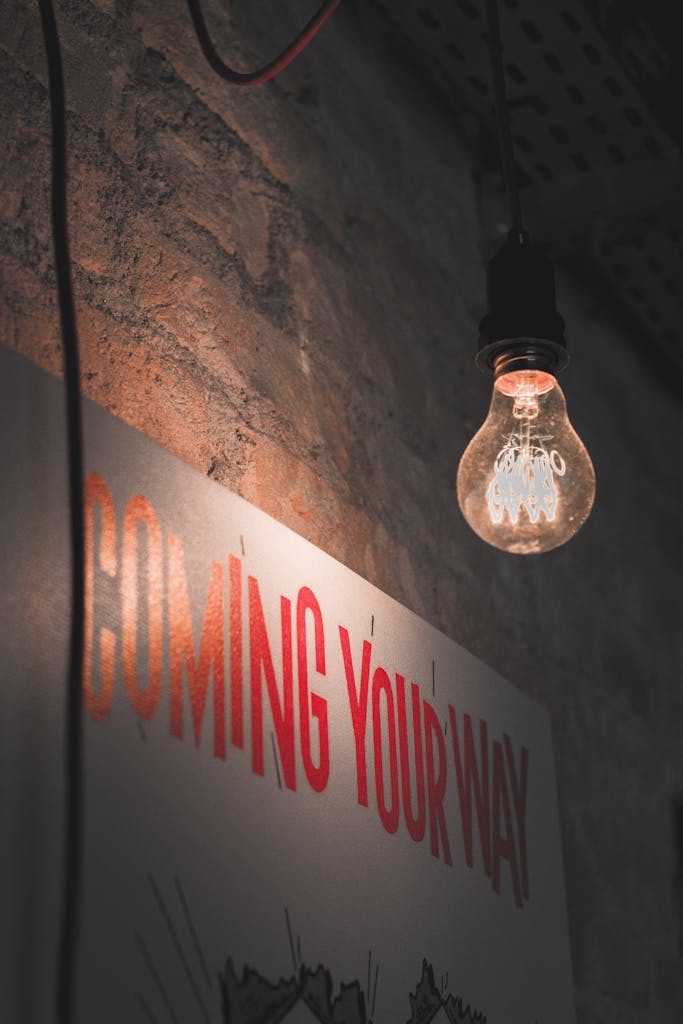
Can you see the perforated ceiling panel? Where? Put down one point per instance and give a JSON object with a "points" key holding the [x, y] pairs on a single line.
{"points": [[600, 174]]}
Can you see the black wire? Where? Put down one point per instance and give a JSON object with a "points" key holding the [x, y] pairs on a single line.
{"points": [[268, 71], [72, 841], [67, 954], [503, 118]]}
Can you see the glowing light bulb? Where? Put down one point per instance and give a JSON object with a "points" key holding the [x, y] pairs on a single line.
{"points": [[526, 482]]}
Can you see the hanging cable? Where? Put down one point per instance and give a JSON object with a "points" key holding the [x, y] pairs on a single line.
{"points": [[264, 74], [503, 118], [72, 843]]}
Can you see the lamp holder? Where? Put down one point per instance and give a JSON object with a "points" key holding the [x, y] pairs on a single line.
{"points": [[523, 329]]}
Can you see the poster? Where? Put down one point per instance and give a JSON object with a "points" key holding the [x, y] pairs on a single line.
{"points": [[303, 803]]}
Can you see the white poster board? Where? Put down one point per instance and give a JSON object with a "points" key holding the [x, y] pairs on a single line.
{"points": [[303, 803]]}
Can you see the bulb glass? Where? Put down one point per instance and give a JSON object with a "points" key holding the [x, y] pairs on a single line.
{"points": [[526, 483]]}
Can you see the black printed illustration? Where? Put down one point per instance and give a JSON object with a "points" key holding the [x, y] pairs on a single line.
{"points": [[430, 1006], [303, 999], [243, 995]]}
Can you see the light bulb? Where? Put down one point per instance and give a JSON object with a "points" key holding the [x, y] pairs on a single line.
{"points": [[526, 482]]}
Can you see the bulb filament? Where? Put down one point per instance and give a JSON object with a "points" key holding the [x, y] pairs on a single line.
{"points": [[524, 478], [526, 401]]}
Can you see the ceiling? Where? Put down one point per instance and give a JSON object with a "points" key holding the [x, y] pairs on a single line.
{"points": [[593, 91]]}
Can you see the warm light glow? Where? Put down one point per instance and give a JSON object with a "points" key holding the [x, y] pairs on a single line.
{"points": [[526, 483]]}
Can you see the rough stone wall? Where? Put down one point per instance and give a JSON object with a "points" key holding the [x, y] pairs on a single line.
{"points": [[282, 286]]}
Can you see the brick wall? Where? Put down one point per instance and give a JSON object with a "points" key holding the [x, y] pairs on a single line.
{"points": [[282, 287]]}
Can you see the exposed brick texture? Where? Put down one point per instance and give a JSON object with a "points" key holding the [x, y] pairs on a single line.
{"points": [[282, 287]]}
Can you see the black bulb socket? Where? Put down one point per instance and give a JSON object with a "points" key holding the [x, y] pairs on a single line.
{"points": [[522, 330]]}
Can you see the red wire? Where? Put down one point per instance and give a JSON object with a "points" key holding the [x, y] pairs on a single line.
{"points": [[264, 74]]}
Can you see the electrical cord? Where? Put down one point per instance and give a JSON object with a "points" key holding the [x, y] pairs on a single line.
{"points": [[73, 833], [264, 74], [503, 119]]}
